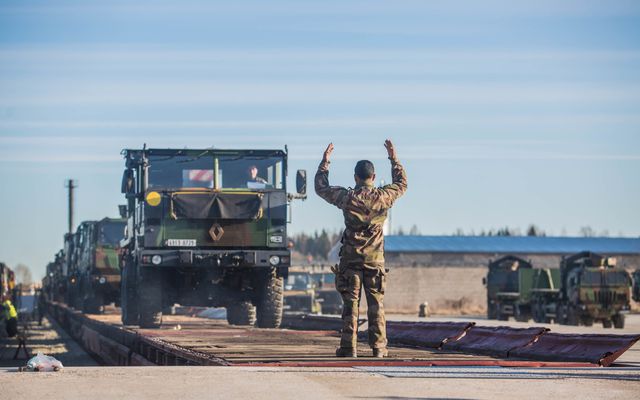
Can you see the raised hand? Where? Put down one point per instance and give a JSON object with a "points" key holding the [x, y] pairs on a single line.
{"points": [[391, 151], [327, 152]]}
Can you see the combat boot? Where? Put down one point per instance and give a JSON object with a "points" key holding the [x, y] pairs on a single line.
{"points": [[346, 352], [380, 352]]}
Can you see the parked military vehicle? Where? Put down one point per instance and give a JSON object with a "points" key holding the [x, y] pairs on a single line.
{"points": [[592, 289], [326, 294], [636, 285], [509, 282], [206, 228], [97, 270], [300, 293], [54, 284]]}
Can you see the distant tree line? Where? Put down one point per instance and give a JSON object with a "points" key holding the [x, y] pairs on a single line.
{"points": [[316, 245]]}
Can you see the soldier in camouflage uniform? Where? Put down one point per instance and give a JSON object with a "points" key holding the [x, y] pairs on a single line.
{"points": [[361, 265]]}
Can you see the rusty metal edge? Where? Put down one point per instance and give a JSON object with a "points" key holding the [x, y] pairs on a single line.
{"points": [[427, 363]]}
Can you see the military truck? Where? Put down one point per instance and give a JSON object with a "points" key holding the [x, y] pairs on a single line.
{"points": [[636, 285], [97, 269], [54, 283], [592, 289], [300, 293], [509, 282], [206, 228], [326, 293]]}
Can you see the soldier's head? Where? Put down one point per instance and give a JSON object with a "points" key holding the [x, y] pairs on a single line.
{"points": [[364, 172], [252, 171]]}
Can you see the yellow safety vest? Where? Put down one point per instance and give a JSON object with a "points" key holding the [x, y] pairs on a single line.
{"points": [[9, 310]]}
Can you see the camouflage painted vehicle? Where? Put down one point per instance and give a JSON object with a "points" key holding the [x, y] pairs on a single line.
{"points": [[326, 293], [97, 270], [544, 294], [636, 285], [206, 228], [509, 282], [54, 284], [300, 293], [592, 289]]}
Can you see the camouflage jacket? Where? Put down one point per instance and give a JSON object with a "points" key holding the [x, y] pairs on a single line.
{"points": [[365, 210]]}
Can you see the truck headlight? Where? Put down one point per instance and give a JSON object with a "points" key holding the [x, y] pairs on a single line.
{"points": [[156, 260], [274, 260], [102, 280]]}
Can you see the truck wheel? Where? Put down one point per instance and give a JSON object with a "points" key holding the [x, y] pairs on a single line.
{"points": [[150, 295], [587, 321], [572, 316], [93, 304], [520, 315], [241, 313], [618, 321], [606, 323], [491, 311], [270, 301], [128, 298]]}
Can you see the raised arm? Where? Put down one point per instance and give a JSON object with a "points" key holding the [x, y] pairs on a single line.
{"points": [[399, 177], [335, 195]]}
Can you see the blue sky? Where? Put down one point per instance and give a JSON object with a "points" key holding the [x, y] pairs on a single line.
{"points": [[503, 113]]}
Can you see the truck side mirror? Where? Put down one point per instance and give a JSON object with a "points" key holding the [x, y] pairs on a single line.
{"points": [[127, 185], [122, 208], [301, 181]]}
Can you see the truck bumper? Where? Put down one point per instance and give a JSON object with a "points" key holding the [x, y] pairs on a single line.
{"points": [[276, 258]]}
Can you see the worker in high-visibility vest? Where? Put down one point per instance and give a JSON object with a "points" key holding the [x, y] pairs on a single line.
{"points": [[10, 316]]}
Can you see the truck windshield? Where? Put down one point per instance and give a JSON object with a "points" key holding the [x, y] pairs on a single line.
{"points": [[617, 278], [298, 282], [234, 172], [180, 172], [237, 172], [111, 233]]}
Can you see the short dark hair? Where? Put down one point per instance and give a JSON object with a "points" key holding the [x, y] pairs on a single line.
{"points": [[364, 170]]}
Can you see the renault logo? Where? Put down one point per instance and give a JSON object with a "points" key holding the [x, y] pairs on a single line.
{"points": [[216, 232]]}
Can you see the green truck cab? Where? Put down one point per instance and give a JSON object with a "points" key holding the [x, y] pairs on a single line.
{"points": [[300, 293], [509, 281], [93, 268], [593, 288], [206, 227]]}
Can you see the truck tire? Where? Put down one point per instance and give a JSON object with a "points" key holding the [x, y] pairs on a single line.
{"points": [[539, 315], [241, 313], [572, 316], [269, 303], [618, 321], [587, 321], [491, 311], [128, 295], [150, 295], [93, 304], [606, 323], [519, 314]]}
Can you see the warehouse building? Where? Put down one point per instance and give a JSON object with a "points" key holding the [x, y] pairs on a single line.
{"points": [[475, 251]]}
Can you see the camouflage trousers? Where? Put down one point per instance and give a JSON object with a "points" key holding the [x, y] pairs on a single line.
{"points": [[351, 282]]}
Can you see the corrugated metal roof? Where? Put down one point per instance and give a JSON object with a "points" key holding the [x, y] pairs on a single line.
{"points": [[511, 244]]}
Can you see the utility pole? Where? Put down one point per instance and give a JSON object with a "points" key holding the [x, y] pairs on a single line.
{"points": [[71, 184]]}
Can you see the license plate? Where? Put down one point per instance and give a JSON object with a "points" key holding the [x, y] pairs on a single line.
{"points": [[181, 242]]}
